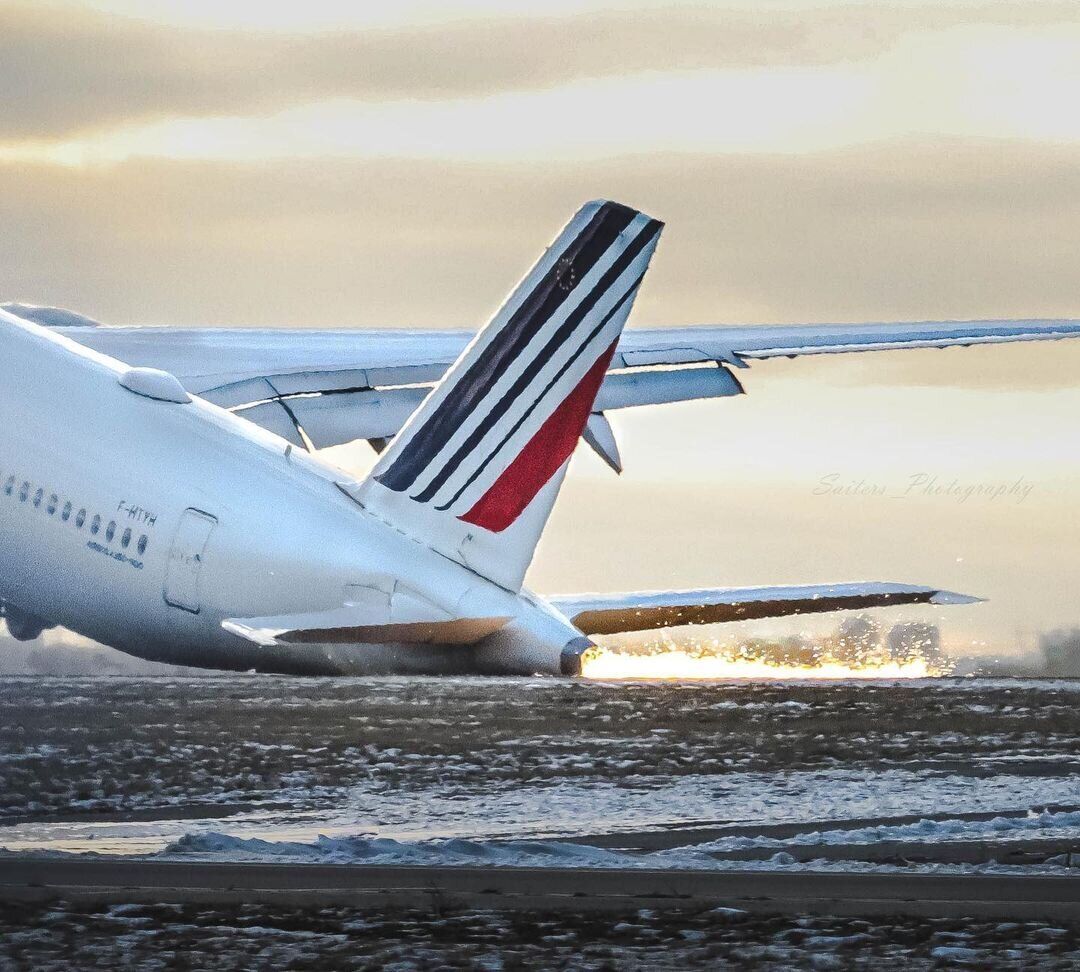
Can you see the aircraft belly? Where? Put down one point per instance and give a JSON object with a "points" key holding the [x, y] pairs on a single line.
{"points": [[336, 659], [387, 659]]}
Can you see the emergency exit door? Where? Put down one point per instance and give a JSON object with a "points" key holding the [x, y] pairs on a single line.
{"points": [[186, 560]]}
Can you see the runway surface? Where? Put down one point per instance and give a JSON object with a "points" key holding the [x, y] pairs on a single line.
{"points": [[57, 936], [119, 880]]}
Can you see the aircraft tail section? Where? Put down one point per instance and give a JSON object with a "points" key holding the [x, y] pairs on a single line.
{"points": [[475, 471]]}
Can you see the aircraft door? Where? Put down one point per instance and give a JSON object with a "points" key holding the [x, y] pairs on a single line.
{"points": [[186, 559]]}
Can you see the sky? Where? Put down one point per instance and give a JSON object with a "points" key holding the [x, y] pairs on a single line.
{"points": [[190, 162]]}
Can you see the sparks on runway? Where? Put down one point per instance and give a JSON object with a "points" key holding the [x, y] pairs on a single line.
{"points": [[680, 663]]}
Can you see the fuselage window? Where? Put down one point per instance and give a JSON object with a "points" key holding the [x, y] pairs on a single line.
{"points": [[66, 514], [9, 486], [80, 518], [54, 501], [110, 531], [125, 540], [24, 491], [142, 544], [95, 524], [37, 497]]}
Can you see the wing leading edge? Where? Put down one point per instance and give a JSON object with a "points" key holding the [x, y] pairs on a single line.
{"points": [[227, 364]]}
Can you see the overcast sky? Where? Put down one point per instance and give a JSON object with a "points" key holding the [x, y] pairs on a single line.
{"points": [[333, 163]]}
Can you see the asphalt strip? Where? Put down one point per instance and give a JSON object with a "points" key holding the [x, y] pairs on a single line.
{"points": [[25, 878]]}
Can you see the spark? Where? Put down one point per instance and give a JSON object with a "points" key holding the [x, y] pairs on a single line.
{"points": [[679, 663]]}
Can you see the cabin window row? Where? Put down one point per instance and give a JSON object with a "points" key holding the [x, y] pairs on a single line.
{"points": [[25, 491]]}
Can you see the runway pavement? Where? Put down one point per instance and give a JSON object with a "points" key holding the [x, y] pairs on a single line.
{"points": [[26, 878]]}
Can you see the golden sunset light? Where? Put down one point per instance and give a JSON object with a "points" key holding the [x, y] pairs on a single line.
{"points": [[336, 164]]}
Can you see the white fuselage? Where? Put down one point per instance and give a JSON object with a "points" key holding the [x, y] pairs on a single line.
{"points": [[280, 536]]}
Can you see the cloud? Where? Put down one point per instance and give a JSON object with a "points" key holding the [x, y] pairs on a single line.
{"points": [[66, 71], [899, 231]]}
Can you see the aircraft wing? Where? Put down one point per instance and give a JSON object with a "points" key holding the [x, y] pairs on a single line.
{"points": [[216, 362], [347, 384], [599, 614]]}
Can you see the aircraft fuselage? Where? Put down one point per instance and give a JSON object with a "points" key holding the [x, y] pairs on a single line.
{"points": [[143, 524]]}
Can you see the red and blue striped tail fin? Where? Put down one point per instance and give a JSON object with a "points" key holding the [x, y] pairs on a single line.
{"points": [[475, 471]]}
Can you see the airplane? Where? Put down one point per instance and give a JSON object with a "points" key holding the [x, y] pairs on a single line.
{"points": [[160, 491]]}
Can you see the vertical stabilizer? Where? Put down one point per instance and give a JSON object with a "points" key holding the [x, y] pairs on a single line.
{"points": [[475, 471]]}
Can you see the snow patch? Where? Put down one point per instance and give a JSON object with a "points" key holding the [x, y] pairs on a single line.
{"points": [[380, 851], [1044, 824], [384, 851]]}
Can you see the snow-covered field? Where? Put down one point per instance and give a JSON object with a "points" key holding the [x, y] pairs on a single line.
{"points": [[49, 937], [134, 764], [540, 772]]}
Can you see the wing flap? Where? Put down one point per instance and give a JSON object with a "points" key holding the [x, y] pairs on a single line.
{"points": [[330, 420], [601, 614], [336, 418]]}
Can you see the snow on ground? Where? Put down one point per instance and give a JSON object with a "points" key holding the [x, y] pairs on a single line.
{"points": [[57, 936], [580, 806], [460, 853], [1044, 824], [435, 772], [131, 765]]}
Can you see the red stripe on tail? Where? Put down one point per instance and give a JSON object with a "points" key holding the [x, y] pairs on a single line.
{"points": [[542, 456]]}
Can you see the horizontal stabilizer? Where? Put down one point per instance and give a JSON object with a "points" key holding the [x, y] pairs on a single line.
{"points": [[370, 617], [598, 614]]}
